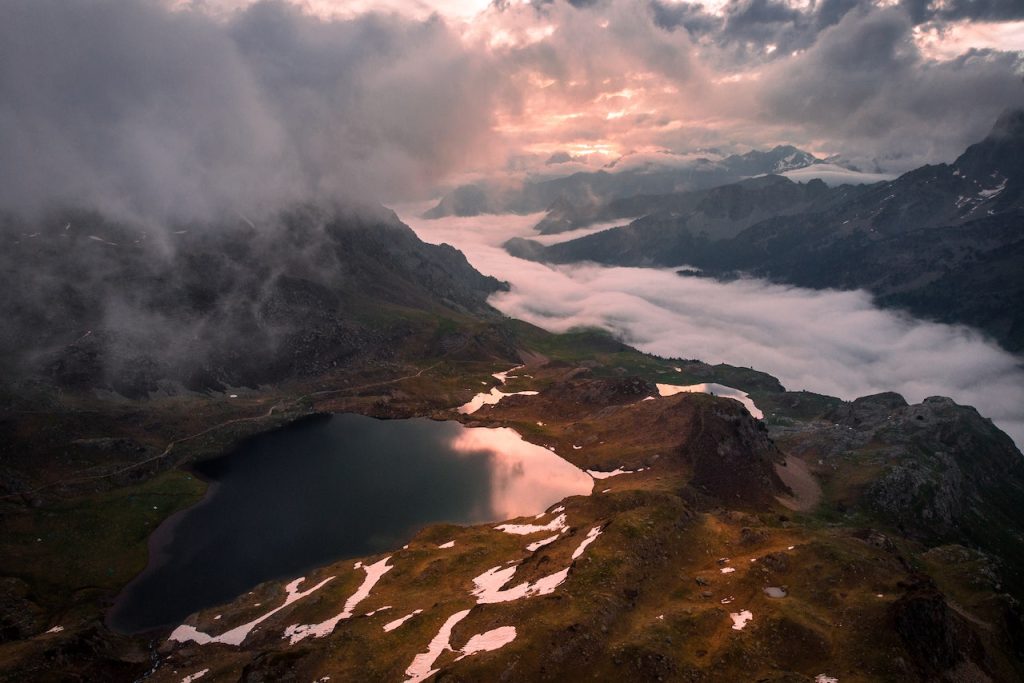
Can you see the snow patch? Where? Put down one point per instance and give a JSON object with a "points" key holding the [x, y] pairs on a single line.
{"points": [[822, 678], [994, 192], [195, 677], [494, 395], [392, 625], [488, 586], [298, 632], [597, 474], [727, 570], [56, 629], [489, 399], [715, 390], [537, 545], [420, 669], [489, 641], [740, 619], [591, 537], [449, 544], [503, 376], [557, 524], [237, 635]]}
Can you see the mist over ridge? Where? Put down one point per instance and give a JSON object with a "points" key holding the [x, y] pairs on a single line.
{"points": [[832, 342]]}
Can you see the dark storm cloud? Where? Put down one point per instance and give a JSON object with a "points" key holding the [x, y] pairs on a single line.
{"points": [[773, 29], [691, 16], [953, 10], [130, 107], [865, 85], [133, 108], [746, 28]]}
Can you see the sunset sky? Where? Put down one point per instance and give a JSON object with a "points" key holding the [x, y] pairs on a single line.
{"points": [[154, 106]]}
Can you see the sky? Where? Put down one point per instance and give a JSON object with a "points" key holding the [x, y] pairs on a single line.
{"points": [[185, 108]]}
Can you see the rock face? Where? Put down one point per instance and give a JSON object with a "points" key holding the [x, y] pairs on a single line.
{"points": [[936, 471], [732, 458], [952, 471], [940, 642], [101, 304]]}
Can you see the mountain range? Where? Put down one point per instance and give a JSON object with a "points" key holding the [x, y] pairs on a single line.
{"points": [[583, 193], [108, 304], [944, 241]]}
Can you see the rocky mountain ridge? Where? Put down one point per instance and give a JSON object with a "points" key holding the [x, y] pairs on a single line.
{"points": [[107, 304], [583, 193], [943, 242]]}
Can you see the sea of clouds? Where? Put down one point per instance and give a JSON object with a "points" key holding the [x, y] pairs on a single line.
{"points": [[832, 342]]}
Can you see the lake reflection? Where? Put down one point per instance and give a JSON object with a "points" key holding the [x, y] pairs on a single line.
{"points": [[328, 488], [524, 478]]}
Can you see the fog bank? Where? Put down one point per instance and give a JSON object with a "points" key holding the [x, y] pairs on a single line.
{"points": [[832, 342]]}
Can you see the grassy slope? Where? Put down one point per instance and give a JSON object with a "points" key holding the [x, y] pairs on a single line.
{"points": [[655, 546]]}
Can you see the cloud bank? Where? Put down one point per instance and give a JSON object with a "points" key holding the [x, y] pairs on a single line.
{"points": [[837, 343], [131, 107], [160, 108]]}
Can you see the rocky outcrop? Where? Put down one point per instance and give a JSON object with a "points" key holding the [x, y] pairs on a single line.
{"points": [[940, 642], [732, 457], [942, 241]]}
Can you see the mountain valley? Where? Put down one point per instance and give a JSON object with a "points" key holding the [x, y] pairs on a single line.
{"points": [[942, 242]]}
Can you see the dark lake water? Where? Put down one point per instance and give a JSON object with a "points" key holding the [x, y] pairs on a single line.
{"points": [[332, 487]]}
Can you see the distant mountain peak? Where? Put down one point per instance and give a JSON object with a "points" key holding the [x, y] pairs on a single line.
{"points": [[776, 160], [1010, 124], [1001, 153]]}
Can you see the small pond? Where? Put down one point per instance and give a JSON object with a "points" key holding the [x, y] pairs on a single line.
{"points": [[327, 488]]}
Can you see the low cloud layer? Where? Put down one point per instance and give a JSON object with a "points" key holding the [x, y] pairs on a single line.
{"points": [[831, 342]]}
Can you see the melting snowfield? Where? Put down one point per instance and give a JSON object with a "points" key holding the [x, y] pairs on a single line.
{"points": [[374, 572], [489, 588], [493, 396], [237, 635], [715, 390], [836, 343]]}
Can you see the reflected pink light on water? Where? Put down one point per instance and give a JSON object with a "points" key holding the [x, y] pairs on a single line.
{"points": [[525, 478]]}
